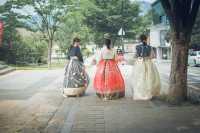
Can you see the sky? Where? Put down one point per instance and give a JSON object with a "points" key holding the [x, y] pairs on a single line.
{"points": [[2, 1], [151, 1]]}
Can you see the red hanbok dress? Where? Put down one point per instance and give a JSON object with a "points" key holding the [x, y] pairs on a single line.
{"points": [[108, 81]]}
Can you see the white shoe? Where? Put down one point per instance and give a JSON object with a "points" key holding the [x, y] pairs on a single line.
{"points": [[64, 95]]}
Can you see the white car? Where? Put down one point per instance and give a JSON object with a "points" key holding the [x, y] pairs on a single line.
{"points": [[194, 58]]}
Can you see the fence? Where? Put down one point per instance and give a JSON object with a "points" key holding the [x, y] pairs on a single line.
{"points": [[12, 56]]}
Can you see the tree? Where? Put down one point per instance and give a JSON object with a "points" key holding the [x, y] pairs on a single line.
{"points": [[73, 26], [11, 20], [142, 24], [32, 49], [181, 15], [110, 16], [50, 13]]}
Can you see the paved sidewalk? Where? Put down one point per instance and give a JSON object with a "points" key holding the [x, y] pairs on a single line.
{"points": [[45, 110], [89, 114]]}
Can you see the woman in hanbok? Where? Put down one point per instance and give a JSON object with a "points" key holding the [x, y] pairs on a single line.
{"points": [[108, 81], [146, 79], [76, 79], [120, 57]]}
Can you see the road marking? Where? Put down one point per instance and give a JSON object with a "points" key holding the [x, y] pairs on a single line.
{"points": [[189, 76], [189, 85], [194, 87], [166, 81], [194, 74], [194, 82]]}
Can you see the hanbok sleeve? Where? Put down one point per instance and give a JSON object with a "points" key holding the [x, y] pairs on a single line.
{"points": [[67, 54], [79, 54], [137, 51], [115, 54], [101, 55]]}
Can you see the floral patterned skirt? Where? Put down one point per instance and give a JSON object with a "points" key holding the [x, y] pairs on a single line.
{"points": [[108, 81], [76, 79]]}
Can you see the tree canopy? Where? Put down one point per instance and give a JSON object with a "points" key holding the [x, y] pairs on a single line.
{"points": [[110, 16], [61, 20]]}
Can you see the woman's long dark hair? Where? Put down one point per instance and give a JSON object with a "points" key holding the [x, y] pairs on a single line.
{"points": [[108, 43], [143, 38], [76, 39]]}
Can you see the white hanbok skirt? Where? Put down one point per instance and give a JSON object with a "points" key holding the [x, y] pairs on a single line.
{"points": [[146, 80]]}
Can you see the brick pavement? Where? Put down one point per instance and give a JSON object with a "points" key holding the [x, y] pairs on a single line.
{"points": [[89, 114]]}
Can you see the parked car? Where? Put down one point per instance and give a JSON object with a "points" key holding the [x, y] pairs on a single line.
{"points": [[194, 58]]}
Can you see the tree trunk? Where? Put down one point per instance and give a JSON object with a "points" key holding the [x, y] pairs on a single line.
{"points": [[178, 75], [49, 52]]}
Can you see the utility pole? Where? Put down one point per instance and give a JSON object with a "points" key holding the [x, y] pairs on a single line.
{"points": [[122, 26]]}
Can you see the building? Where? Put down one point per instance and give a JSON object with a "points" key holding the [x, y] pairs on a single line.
{"points": [[195, 39], [159, 32], [130, 47]]}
